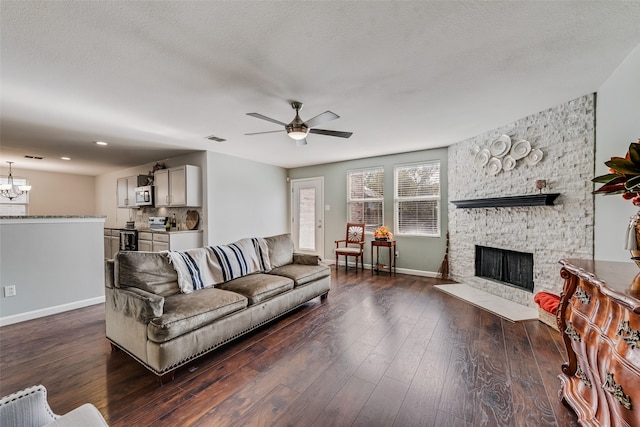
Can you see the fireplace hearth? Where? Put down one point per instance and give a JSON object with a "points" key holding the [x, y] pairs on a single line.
{"points": [[509, 267]]}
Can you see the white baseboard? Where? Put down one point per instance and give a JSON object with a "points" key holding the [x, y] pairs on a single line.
{"points": [[35, 314], [422, 273]]}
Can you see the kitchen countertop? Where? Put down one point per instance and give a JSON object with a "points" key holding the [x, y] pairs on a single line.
{"points": [[50, 216], [51, 219], [149, 230]]}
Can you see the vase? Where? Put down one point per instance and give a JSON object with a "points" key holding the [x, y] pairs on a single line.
{"points": [[633, 244]]}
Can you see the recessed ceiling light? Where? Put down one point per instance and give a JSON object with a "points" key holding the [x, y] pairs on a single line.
{"points": [[65, 158], [101, 143]]}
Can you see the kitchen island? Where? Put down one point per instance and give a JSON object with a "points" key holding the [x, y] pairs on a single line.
{"points": [[54, 262]]}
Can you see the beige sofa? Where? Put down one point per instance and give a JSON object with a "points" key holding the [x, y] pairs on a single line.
{"points": [[163, 328]]}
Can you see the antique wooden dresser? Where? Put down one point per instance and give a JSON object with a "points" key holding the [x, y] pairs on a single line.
{"points": [[599, 315]]}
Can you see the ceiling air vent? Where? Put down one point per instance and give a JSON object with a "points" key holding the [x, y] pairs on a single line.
{"points": [[33, 157], [215, 138]]}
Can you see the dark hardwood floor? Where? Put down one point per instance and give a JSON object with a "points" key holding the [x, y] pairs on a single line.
{"points": [[381, 351]]}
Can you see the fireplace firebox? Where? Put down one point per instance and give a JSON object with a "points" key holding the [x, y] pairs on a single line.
{"points": [[510, 267]]}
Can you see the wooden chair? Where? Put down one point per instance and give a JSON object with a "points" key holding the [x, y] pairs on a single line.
{"points": [[353, 245]]}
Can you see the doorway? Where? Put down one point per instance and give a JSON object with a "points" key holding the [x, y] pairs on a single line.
{"points": [[307, 215]]}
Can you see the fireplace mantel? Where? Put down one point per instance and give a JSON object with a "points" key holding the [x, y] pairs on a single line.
{"points": [[545, 199]]}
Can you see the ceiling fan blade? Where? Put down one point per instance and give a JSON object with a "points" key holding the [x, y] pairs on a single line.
{"points": [[321, 118], [301, 142], [269, 131], [331, 133], [269, 119]]}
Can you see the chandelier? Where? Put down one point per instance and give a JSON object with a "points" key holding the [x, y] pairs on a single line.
{"points": [[10, 190]]}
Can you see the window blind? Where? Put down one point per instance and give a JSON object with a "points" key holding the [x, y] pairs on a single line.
{"points": [[417, 199], [365, 197]]}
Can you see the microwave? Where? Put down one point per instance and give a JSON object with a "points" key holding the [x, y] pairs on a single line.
{"points": [[144, 196]]}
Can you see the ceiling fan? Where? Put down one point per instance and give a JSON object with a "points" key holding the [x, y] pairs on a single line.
{"points": [[299, 129]]}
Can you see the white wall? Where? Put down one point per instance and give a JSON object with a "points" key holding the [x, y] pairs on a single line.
{"points": [[246, 199], [617, 125], [55, 264], [54, 193]]}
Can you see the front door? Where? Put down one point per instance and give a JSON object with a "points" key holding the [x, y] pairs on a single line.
{"points": [[307, 215]]}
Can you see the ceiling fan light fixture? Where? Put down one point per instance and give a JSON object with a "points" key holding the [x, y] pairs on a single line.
{"points": [[297, 132]]}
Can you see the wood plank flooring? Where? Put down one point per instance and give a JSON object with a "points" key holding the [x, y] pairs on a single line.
{"points": [[381, 351]]}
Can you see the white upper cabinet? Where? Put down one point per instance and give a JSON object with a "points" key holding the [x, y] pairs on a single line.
{"points": [[179, 186], [126, 190]]}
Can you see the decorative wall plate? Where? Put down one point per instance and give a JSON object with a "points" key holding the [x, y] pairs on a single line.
{"points": [[501, 146], [508, 163], [534, 157], [520, 149], [192, 220], [494, 166], [482, 158]]}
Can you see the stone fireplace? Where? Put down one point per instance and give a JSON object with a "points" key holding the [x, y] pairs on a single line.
{"points": [[565, 135]]}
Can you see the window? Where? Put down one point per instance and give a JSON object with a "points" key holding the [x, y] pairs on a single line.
{"points": [[365, 197], [417, 199], [18, 206]]}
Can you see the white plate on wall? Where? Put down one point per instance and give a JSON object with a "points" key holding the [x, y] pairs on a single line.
{"points": [[501, 146], [508, 163], [534, 157], [520, 149], [494, 166], [482, 158]]}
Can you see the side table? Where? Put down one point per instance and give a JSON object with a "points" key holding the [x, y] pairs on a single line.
{"points": [[391, 245]]}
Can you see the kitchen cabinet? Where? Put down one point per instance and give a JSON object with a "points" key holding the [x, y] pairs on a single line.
{"points": [[126, 189], [156, 241], [180, 186], [111, 242]]}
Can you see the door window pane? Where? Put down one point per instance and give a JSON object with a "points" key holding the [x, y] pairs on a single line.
{"points": [[307, 222]]}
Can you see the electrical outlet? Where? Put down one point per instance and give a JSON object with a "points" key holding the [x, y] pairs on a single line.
{"points": [[9, 291], [397, 254]]}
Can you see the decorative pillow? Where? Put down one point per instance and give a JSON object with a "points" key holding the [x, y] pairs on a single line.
{"points": [[148, 271], [547, 301], [280, 250]]}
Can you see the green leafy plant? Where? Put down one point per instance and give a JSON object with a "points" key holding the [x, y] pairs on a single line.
{"points": [[624, 175]]}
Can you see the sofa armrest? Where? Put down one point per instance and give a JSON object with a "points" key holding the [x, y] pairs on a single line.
{"points": [[306, 259], [108, 273], [139, 304]]}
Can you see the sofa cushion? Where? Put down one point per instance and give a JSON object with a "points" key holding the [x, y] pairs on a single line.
{"points": [[149, 271], [302, 274], [259, 287], [186, 312], [280, 250]]}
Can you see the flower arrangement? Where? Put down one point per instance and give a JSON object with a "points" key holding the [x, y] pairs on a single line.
{"points": [[624, 175], [383, 233]]}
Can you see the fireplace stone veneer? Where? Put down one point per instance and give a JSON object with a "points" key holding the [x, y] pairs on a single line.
{"points": [[565, 134]]}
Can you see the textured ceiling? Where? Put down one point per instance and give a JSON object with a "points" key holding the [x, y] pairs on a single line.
{"points": [[155, 78]]}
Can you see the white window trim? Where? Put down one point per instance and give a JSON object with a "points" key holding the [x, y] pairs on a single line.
{"points": [[364, 200], [397, 200]]}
